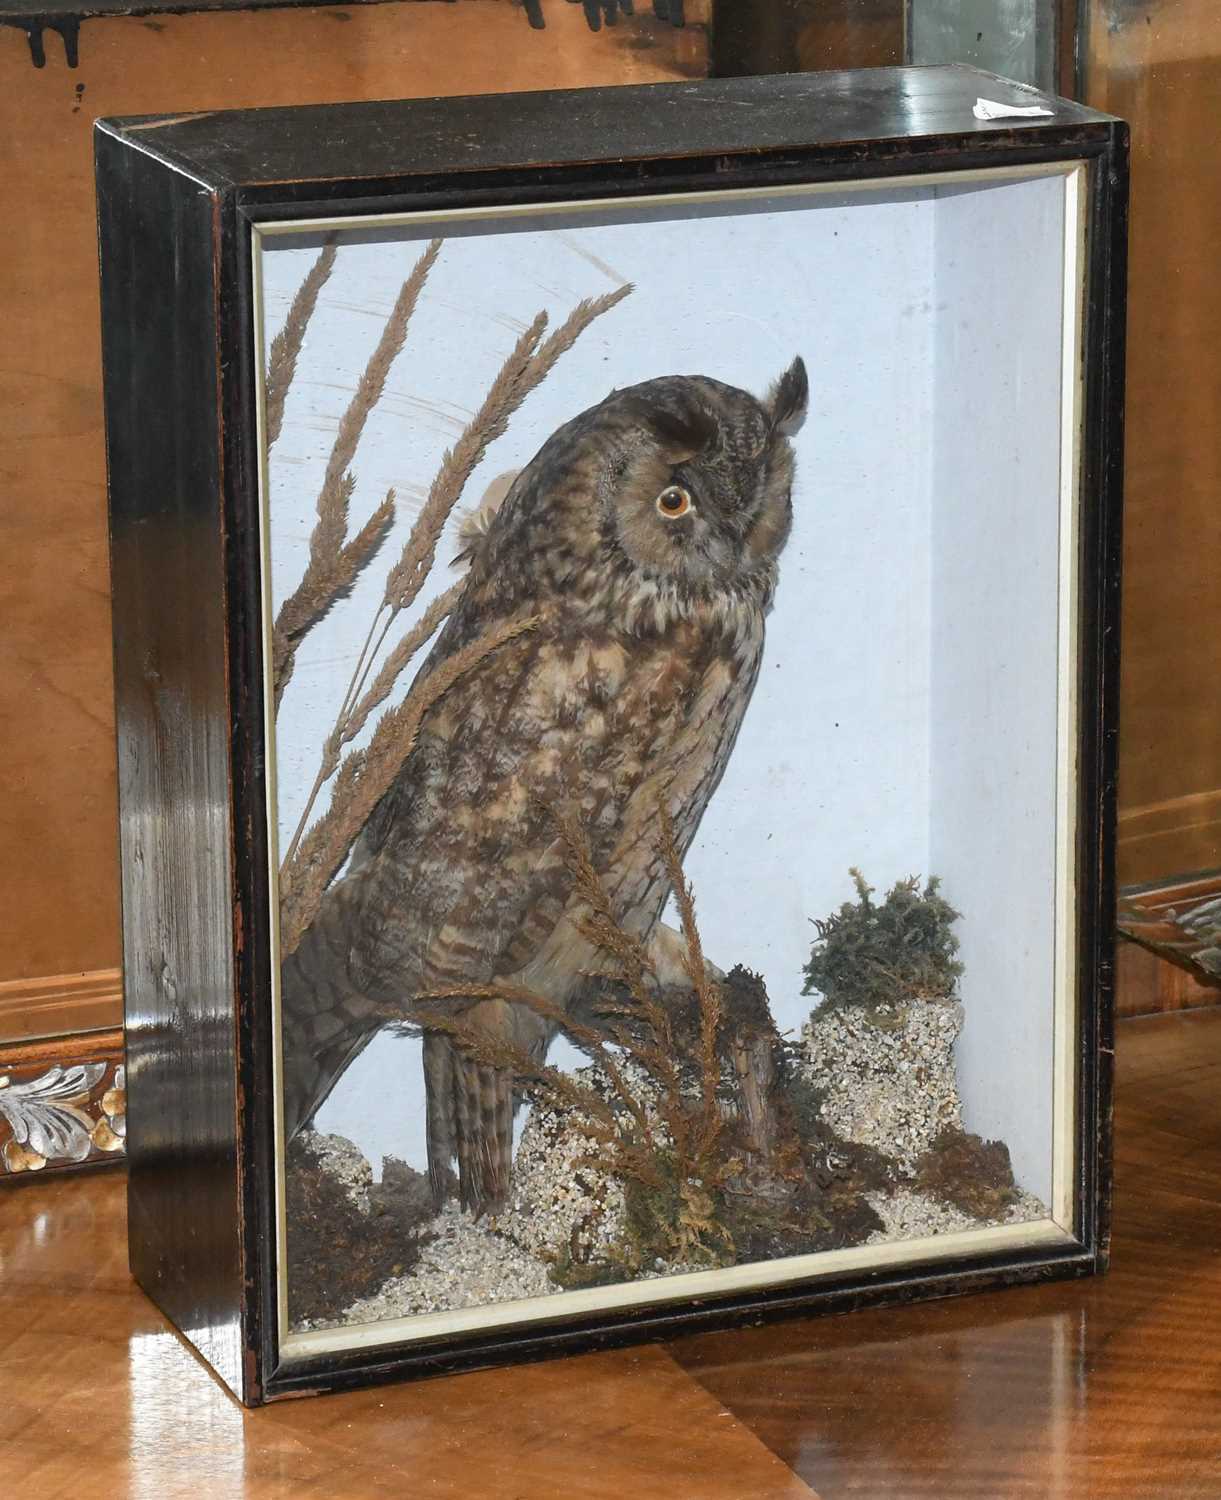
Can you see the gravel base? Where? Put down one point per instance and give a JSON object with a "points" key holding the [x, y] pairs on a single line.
{"points": [[892, 1085], [465, 1264], [908, 1215], [343, 1161], [557, 1204]]}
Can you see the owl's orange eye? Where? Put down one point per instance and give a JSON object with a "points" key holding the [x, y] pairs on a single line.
{"points": [[673, 501]]}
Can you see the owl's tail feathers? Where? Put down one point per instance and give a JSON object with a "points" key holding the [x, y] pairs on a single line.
{"points": [[325, 1021], [441, 1122], [469, 1119]]}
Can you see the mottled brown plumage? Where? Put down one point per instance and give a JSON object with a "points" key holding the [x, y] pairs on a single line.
{"points": [[645, 536]]}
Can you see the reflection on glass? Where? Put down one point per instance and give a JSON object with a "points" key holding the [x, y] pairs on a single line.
{"points": [[1019, 39], [1015, 38]]}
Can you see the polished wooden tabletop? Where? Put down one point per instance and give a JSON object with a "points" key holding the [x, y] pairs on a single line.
{"points": [[1090, 1390]]}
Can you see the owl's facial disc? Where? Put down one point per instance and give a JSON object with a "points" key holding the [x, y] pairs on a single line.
{"points": [[670, 522], [694, 486]]}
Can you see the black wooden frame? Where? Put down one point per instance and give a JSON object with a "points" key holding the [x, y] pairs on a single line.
{"points": [[176, 202]]}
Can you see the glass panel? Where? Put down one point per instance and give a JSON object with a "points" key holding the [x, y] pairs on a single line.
{"points": [[1016, 38], [1019, 39], [500, 1081]]}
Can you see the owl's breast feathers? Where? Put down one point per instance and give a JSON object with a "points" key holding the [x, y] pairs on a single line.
{"points": [[463, 873]]}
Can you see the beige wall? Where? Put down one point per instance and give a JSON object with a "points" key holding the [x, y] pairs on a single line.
{"points": [[58, 878]]}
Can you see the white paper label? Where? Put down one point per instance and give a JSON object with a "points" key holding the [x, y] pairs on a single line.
{"points": [[992, 109]]}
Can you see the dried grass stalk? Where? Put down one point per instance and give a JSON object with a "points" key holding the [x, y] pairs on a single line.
{"points": [[498, 1051], [630, 958], [333, 561], [571, 329], [332, 504], [364, 777], [457, 465], [383, 684], [526, 368], [615, 1149], [286, 346], [649, 1035], [415, 565], [707, 990], [323, 585]]}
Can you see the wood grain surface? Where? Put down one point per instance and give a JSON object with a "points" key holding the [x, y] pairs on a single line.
{"points": [[1080, 1391], [97, 1395]]}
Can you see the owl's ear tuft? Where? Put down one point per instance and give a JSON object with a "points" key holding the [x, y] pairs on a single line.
{"points": [[684, 431], [789, 398]]}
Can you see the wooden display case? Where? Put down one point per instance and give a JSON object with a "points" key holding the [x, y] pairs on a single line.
{"points": [[864, 352]]}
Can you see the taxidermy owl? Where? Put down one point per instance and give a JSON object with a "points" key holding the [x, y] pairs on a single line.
{"points": [[644, 537]]}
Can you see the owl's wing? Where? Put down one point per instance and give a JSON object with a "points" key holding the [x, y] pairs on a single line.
{"points": [[465, 877]]}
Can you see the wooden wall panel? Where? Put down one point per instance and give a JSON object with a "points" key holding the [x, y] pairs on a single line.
{"points": [[1146, 985], [58, 882], [59, 1004], [1159, 64]]}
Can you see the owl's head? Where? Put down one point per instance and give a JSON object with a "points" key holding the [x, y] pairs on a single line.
{"points": [[678, 487], [697, 486]]}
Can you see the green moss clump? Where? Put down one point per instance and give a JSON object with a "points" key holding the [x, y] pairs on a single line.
{"points": [[872, 955]]}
